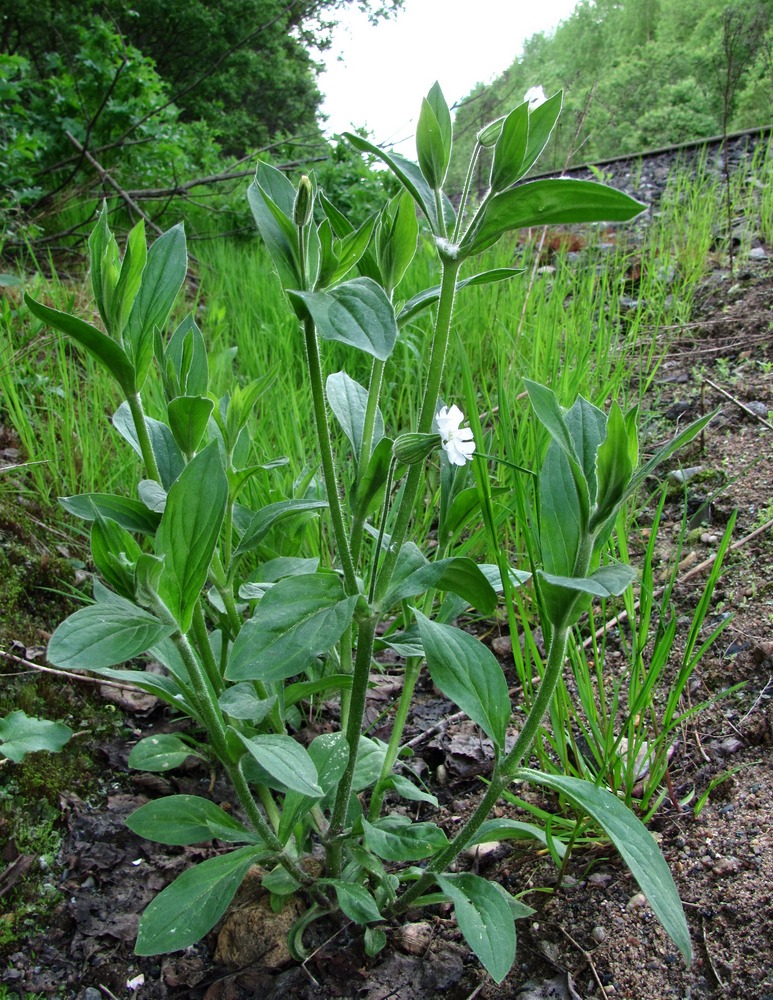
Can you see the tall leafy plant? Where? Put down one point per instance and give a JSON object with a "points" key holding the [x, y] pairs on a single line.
{"points": [[246, 635]]}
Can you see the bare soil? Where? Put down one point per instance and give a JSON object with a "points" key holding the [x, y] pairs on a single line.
{"points": [[594, 936]]}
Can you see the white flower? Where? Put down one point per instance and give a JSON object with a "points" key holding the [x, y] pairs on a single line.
{"points": [[535, 96], [457, 441], [134, 984]]}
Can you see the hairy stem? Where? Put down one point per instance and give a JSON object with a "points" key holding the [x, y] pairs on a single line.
{"points": [[141, 428], [429, 405], [326, 451], [367, 633]]}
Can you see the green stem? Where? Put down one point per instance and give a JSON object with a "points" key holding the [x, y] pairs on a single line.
{"points": [[205, 649], [410, 676], [429, 405], [367, 633], [141, 429], [466, 192], [326, 451], [503, 773], [345, 659]]}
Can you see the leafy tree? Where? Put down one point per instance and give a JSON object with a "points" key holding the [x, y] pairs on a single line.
{"points": [[242, 66]]}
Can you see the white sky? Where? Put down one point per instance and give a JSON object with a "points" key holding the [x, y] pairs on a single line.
{"points": [[384, 71]]}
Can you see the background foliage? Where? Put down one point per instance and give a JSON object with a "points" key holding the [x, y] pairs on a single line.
{"points": [[162, 96], [638, 74]]}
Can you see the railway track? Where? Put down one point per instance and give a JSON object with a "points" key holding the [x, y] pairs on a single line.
{"points": [[644, 175]]}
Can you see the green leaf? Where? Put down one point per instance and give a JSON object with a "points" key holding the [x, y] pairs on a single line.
{"points": [[188, 418], [355, 901], [130, 514], [105, 265], [542, 121], [299, 619], [115, 553], [414, 574], [468, 673], [129, 281], [349, 400], [186, 819], [433, 139], [110, 355], [424, 299], [302, 690], [373, 479], [330, 754], [191, 906], [512, 829], [102, 635], [606, 581], [587, 425], [162, 280], [241, 702], [396, 838], [189, 530], [357, 312], [634, 842], [397, 237], [510, 149], [272, 197], [409, 175], [549, 413], [167, 689], [264, 520], [484, 919], [159, 753], [168, 456], [614, 466], [407, 790], [560, 523], [186, 355], [285, 760], [21, 734], [559, 201]]}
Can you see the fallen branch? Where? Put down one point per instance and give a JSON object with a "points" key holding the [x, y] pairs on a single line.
{"points": [[85, 678], [105, 175]]}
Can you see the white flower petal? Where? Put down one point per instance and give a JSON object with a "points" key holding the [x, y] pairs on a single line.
{"points": [[535, 96], [457, 441]]}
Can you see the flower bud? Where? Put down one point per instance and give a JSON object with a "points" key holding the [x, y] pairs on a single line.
{"points": [[304, 202], [488, 136], [410, 449]]}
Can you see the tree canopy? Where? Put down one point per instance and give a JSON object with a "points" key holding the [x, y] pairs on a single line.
{"points": [[152, 94]]}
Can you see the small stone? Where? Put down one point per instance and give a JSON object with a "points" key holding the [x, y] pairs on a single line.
{"points": [[684, 475], [414, 939], [758, 408], [599, 879], [481, 850], [726, 866], [90, 994], [598, 934], [637, 901], [502, 645], [708, 538], [730, 745], [757, 253]]}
